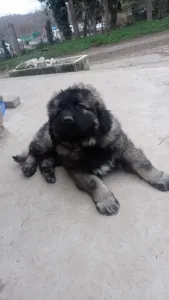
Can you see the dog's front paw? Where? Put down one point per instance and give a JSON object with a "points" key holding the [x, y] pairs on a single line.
{"points": [[162, 184], [29, 169], [109, 205]]}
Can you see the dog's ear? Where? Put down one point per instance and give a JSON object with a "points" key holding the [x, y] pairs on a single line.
{"points": [[52, 105], [51, 109], [52, 133], [105, 119]]}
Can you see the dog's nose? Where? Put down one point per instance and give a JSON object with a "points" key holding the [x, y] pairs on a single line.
{"points": [[68, 119]]}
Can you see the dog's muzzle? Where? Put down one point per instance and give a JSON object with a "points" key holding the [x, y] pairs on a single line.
{"points": [[66, 117], [68, 120]]}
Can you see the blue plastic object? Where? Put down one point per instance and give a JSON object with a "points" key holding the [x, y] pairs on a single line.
{"points": [[2, 107]]}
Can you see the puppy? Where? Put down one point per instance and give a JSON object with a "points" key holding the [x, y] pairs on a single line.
{"points": [[87, 140]]}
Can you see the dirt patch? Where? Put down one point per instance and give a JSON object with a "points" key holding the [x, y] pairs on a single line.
{"points": [[127, 49]]}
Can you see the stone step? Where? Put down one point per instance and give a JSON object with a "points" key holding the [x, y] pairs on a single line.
{"points": [[11, 101]]}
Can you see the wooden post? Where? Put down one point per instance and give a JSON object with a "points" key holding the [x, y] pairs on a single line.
{"points": [[14, 39]]}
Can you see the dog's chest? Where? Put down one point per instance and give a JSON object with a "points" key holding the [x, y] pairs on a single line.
{"points": [[87, 159], [71, 151]]}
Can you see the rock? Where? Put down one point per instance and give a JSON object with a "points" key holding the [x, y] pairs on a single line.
{"points": [[53, 61], [31, 62], [42, 59], [21, 66]]}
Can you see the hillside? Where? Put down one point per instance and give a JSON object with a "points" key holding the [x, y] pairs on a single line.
{"points": [[24, 24]]}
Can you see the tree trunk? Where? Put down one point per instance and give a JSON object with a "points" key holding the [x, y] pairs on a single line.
{"points": [[49, 32], [113, 8], [106, 10], [85, 25], [149, 10], [160, 8], [73, 18], [60, 14], [94, 25], [163, 9], [114, 12]]}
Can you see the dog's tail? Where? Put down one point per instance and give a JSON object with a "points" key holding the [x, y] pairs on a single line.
{"points": [[20, 159]]}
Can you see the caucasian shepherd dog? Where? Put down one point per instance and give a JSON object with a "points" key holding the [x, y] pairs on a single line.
{"points": [[84, 137]]}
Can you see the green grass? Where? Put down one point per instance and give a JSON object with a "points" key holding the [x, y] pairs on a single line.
{"points": [[72, 47]]}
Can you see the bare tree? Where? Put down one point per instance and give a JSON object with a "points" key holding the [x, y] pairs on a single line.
{"points": [[73, 18], [161, 8], [106, 10], [149, 10]]}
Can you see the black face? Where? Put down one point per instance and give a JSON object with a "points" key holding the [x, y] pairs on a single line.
{"points": [[72, 116]]}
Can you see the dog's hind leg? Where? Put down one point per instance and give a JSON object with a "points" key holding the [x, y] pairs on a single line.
{"points": [[138, 162], [20, 159], [47, 169], [28, 163], [38, 150], [29, 167]]}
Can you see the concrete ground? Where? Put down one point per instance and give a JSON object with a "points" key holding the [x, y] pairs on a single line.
{"points": [[53, 242]]}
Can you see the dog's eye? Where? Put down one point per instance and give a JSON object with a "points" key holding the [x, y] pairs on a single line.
{"points": [[80, 106]]}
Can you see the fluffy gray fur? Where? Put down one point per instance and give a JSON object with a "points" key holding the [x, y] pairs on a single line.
{"points": [[48, 149]]}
